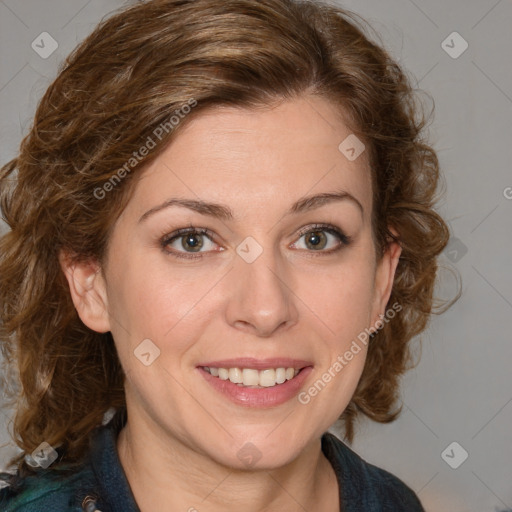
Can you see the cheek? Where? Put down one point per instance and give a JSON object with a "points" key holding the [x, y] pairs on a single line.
{"points": [[340, 298], [149, 299]]}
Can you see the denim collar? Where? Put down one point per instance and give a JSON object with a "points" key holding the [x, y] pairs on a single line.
{"points": [[357, 480], [114, 492]]}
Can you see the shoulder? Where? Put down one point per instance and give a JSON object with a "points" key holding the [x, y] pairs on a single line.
{"points": [[392, 493], [364, 486], [97, 477], [46, 491]]}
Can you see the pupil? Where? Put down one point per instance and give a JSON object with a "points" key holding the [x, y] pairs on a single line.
{"points": [[192, 242], [316, 239]]}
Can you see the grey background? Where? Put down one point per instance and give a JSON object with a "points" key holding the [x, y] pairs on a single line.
{"points": [[461, 391]]}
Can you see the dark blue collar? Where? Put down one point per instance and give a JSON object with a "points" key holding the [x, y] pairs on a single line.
{"points": [[101, 479], [114, 492], [362, 486]]}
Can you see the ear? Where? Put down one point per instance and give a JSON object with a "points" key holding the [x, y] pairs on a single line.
{"points": [[384, 277], [88, 292]]}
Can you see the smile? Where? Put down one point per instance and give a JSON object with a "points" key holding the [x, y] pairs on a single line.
{"points": [[256, 383], [252, 378]]}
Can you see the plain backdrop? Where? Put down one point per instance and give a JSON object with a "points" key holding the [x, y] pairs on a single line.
{"points": [[457, 402]]}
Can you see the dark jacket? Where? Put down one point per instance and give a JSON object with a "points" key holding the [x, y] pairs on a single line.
{"points": [[100, 483]]}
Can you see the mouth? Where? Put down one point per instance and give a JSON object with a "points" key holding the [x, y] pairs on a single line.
{"points": [[261, 383], [257, 383], [252, 377]]}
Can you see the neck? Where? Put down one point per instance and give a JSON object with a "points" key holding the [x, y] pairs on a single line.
{"points": [[165, 474]]}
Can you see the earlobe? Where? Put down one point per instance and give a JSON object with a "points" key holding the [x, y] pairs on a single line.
{"points": [[88, 292]]}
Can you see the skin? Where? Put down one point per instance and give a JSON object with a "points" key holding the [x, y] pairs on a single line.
{"points": [[179, 447]]}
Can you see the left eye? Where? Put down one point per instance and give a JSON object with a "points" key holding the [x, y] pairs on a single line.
{"points": [[318, 239]]}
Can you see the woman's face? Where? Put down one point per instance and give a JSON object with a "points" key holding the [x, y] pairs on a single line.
{"points": [[270, 284]]}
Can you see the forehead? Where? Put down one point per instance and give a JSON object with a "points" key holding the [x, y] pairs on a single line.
{"points": [[252, 157]]}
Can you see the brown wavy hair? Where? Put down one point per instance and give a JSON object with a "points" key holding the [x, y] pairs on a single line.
{"points": [[125, 79]]}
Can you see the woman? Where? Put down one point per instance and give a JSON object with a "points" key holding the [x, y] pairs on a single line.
{"points": [[222, 230]]}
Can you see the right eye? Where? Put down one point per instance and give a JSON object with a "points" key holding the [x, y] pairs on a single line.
{"points": [[187, 241]]}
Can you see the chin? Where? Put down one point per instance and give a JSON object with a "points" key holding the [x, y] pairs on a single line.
{"points": [[261, 452]]}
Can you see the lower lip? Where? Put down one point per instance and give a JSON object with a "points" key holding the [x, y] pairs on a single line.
{"points": [[258, 397]]}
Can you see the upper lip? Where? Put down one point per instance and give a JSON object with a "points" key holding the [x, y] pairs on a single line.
{"points": [[258, 364]]}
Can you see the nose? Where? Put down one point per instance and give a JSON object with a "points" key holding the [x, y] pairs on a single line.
{"points": [[260, 295]]}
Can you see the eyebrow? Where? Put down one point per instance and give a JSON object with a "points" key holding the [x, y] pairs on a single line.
{"points": [[223, 212]]}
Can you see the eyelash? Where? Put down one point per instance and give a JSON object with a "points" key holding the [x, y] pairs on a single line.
{"points": [[328, 228]]}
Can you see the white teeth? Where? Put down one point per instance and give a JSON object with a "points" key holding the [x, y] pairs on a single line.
{"points": [[254, 378], [250, 377], [267, 378], [235, 375], [280, 375]]}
